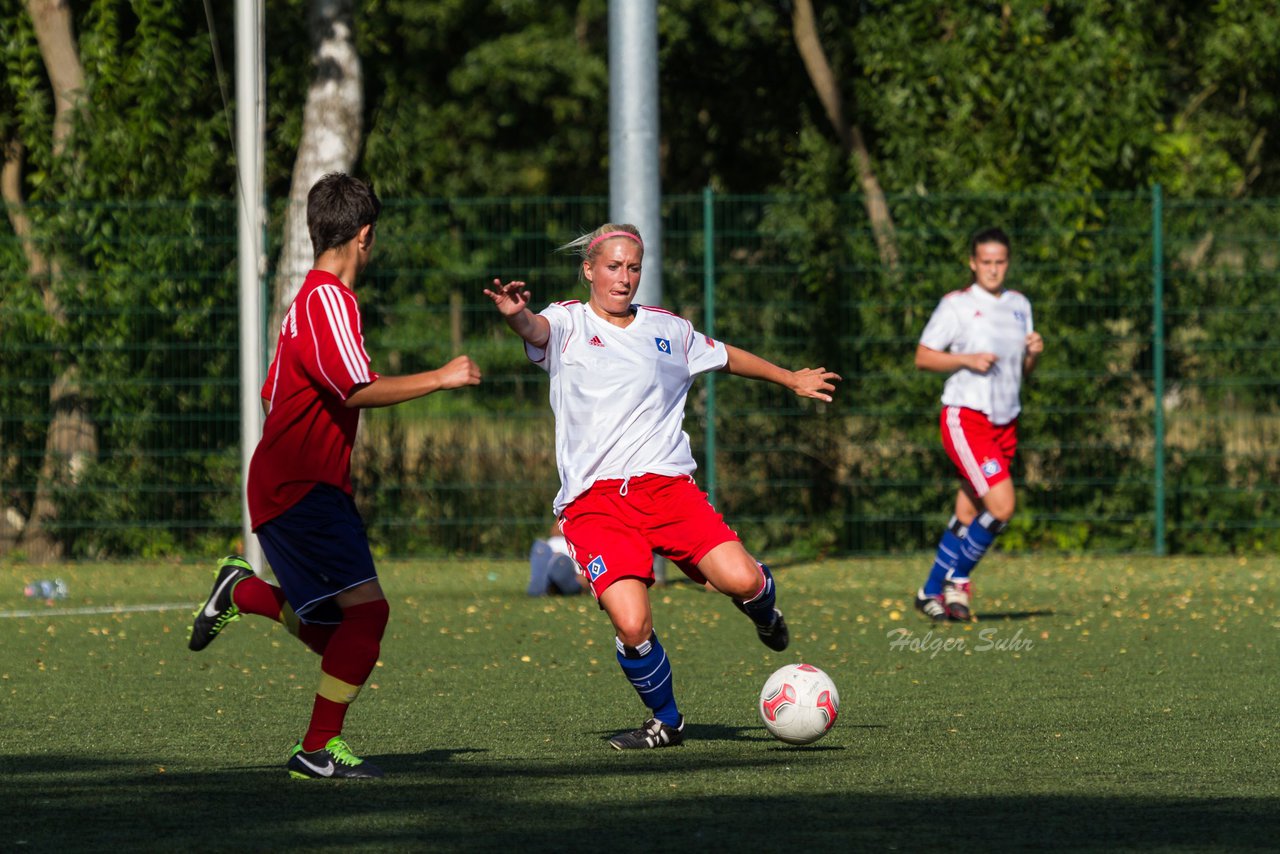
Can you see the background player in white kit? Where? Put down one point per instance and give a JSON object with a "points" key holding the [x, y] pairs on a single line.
{"points": [[620, 374], [984, 338]]}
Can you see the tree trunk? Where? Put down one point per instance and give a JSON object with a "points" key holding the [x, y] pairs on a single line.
{"points": [[331, 133], [873, 197], [71, 444], [11, 521], [804, 29], [71, 440], [38, 266], [56, 36]]}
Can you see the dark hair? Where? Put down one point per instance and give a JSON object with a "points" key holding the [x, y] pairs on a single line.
{"points": [[338, 206], [987, 235]]}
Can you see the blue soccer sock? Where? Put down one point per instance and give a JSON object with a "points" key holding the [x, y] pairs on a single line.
{"points": [[944, 562], [982, 533], [760, 607], [647, 668]]}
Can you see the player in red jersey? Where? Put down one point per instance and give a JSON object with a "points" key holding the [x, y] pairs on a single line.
{"points": [[299, 489], [984, 339]]}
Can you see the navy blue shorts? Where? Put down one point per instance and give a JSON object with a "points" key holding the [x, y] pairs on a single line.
{"points": [[317, 549]]}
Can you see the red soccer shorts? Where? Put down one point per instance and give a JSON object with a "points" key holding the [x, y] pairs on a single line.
{"points": [[614, 528], [980, 450]]}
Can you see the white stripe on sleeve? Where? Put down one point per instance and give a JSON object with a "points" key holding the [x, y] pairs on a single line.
{"points": [[351, 350]]}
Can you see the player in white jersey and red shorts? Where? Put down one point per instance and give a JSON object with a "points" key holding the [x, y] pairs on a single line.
{"points": [[983, 337], [620, 373]]}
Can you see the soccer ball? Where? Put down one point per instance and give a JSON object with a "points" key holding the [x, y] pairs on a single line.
{"points": [[799, 704]]}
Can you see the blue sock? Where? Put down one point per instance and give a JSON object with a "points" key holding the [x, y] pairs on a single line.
{"points": [[647, 668], [944, 563], [760, 607], [982, 533]]}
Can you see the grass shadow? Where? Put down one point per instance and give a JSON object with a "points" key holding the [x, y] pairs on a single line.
{"points": [[987, 617], [448, 800]]}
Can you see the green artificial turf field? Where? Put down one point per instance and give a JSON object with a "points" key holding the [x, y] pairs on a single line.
{"points": [[1100, 703]]}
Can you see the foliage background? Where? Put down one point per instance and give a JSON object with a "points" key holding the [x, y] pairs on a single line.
{"points": [[487, 134]]}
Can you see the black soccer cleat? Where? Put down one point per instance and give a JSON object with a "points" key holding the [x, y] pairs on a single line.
{"points": [[654, 733], [218, 609], [931, 606], [334, 761], [776, 636], [956, 595]]}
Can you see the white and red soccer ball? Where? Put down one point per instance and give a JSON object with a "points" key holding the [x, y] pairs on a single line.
{"points": [[799, 704]]}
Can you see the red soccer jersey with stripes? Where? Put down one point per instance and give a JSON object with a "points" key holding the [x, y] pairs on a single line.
{"points": [[309, 432]]}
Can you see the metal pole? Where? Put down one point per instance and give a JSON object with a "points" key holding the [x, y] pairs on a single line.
{"points": [[709, 327], [1157, 358], [635, 189], [250, 99]]}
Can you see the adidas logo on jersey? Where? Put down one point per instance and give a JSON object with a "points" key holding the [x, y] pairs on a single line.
{"points": [[595, 341]]}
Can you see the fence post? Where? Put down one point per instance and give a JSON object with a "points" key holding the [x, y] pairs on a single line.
{"points": [[709, 327], [1157, 358]]}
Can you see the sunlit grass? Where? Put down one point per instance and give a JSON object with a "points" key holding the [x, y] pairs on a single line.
{"points": [[1117, 703]]}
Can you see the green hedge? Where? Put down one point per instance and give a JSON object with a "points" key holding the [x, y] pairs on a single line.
{"points": [[149, 327]]}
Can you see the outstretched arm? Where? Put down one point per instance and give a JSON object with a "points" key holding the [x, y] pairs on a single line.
{"points": [[387, 391], [512, 302], [808, 382]]}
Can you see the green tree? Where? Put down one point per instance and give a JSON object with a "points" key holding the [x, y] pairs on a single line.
{"points": [[485, 98], [111, 112], [1072, 96]]}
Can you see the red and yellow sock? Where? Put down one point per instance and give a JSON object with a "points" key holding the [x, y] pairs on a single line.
{"points": [[255, 596], [252, 595], [350, 656]]}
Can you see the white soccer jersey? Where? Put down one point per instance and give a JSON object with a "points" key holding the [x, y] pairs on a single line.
{"points": [[619, 394], [975, 321]]}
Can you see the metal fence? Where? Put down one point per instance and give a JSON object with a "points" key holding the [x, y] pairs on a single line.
{"points": [[1150, 425]]}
